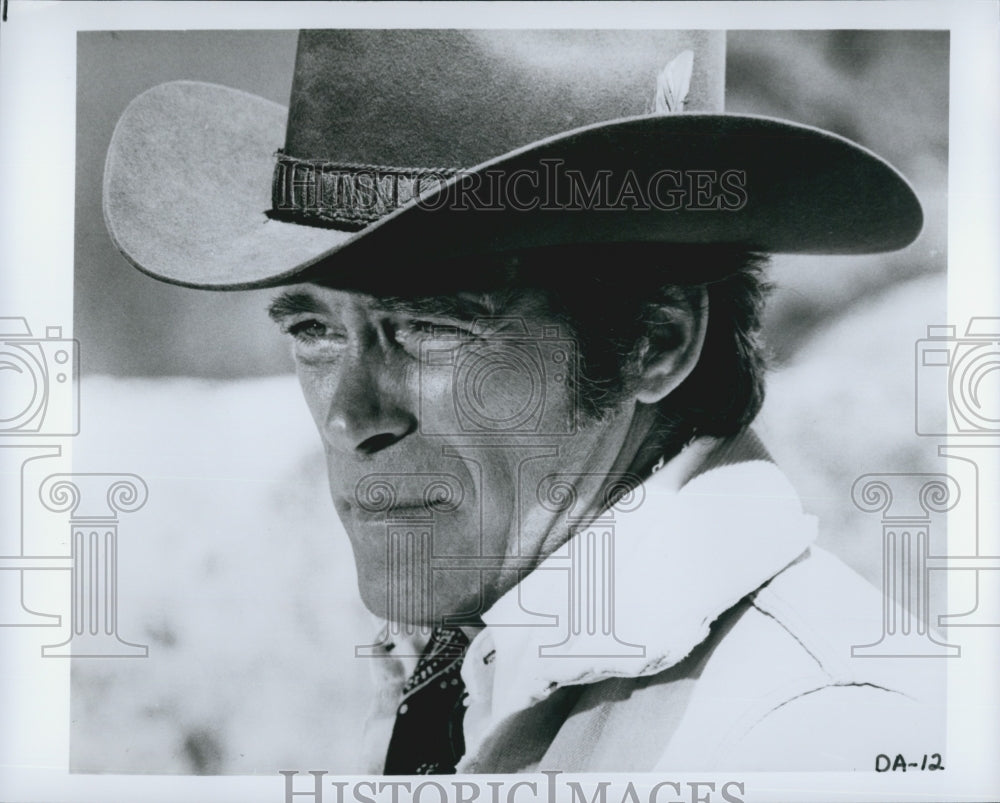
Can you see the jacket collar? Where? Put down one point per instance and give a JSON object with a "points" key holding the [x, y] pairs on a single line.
{"points": [[717, 521]]}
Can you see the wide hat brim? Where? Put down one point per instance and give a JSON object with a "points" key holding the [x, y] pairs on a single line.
{"points": [[187, 190]]}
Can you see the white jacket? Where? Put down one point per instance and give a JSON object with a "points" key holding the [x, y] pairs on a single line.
{"points": [[771, 685]]}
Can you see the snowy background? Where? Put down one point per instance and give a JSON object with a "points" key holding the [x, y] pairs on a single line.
{"points": [[237, 574]]}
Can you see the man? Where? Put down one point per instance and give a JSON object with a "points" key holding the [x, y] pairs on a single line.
{"points": [[522, 276]]}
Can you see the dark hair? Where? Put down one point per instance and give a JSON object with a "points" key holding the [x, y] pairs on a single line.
{"points": [[612, 297]]}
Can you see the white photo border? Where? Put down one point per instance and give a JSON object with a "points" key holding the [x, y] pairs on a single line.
{"points": [[37, 152]]}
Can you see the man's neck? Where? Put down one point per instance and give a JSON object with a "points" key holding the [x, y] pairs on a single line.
{"points": [[641, 452]]}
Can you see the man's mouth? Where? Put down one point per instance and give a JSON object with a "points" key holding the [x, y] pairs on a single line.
{"points": [[414, 510]]}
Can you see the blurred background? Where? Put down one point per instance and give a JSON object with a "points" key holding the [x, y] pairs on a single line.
{"points": [[236, 573]]}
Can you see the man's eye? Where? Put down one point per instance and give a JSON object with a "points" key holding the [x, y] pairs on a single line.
{"points": [[308, 330], [314, 341]]}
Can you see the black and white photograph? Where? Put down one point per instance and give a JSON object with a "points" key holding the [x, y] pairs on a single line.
{"points": [[499, 402]]}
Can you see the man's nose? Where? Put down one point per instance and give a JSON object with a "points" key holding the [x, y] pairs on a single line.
{"points": [[368, 410]]}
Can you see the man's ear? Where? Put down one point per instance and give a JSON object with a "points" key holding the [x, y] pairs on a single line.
{"points": [[675, 344]]}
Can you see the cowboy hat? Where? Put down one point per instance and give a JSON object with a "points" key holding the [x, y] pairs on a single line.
{"points": [[403, 148]]}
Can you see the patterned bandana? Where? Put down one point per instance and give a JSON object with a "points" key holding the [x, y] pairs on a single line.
{"points": [[427, 736]]}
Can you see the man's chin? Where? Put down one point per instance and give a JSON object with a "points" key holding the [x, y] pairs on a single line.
{"points": [[402, 610], [415, 613]]}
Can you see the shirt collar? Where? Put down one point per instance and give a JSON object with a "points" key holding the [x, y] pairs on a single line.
{"points": [[716, 522]]}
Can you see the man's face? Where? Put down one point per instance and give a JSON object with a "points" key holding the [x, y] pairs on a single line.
{"points": [[443, 426]]}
